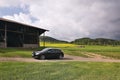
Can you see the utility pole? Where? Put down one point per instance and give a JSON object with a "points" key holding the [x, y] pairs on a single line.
{"points": [[5, 38], [44, 39]]}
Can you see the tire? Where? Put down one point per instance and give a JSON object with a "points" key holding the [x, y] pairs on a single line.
{"points": [[60, 56], [42, 57]]}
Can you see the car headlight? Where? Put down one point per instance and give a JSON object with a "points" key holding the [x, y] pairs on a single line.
{"points": [[36, 53]]}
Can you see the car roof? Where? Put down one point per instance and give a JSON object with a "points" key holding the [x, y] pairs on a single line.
{"points": [[52, 48]]}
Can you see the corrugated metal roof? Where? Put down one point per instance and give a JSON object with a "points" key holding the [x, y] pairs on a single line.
{"points": [[7, 20]]}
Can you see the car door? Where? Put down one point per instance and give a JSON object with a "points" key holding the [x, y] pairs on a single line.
{"points": [[56, 54], [53, 53], [50, 53]]}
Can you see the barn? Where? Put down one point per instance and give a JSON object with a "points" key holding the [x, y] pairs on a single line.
{"points": [[15, 34]]}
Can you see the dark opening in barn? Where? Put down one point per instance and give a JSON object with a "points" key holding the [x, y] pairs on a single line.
{"points": [[15, 34]]}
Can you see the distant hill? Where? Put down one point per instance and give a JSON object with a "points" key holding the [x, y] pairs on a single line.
{"points": [[83, 41], [97, 41], [50, 39]]}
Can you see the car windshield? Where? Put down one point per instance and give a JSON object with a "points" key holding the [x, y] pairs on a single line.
{"points": [[46, 49]]}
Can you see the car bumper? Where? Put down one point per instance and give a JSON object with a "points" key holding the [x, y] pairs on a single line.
{"points": [[35, 56]]}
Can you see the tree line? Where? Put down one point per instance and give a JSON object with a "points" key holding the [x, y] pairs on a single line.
{"points": [[83, 41], [98, 41]]}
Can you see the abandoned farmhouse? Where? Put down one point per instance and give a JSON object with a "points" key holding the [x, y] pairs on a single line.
{"points": [[15, 34]]}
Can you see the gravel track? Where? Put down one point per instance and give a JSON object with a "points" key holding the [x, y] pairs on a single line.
{"points": [[66, 58]]}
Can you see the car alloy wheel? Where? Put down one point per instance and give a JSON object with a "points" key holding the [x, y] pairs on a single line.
{"points": [[42, 57], [60, 56]]}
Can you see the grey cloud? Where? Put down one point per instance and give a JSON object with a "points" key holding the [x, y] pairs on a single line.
{"points": [[116, 21], [71, 19], [89, 18]]}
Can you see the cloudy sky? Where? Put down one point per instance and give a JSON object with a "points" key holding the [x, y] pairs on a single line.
{"points": [[67, 19]]}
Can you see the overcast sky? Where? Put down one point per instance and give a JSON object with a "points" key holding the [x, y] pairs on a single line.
{"points": [[67, 19]]}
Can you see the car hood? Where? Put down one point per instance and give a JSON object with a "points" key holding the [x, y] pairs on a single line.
{"points": [[38, 51]]}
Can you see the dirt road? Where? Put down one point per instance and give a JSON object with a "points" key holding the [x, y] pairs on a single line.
{"points": [[66, 58]]}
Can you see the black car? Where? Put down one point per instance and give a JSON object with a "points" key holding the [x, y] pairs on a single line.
{"points": [[48, 53]]}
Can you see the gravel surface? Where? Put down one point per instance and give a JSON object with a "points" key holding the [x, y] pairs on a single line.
{"points": [[66, 58]]}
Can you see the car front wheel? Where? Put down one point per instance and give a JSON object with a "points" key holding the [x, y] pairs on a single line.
{"points": [[60, 56], [42, 57]]}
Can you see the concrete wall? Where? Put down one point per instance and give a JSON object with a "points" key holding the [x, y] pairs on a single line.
{"points": [[2, 45], [30, 45]]}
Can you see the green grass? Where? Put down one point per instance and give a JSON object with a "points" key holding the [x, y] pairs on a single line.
{"points": [[59, 71], [17, 52], [110, 51], [72, 49]]}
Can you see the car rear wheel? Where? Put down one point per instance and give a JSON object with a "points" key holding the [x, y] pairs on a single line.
{"points": [[60, 56], [42, 57]]}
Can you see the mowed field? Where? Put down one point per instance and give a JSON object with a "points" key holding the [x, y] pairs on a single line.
{"points": [[61, 70]]}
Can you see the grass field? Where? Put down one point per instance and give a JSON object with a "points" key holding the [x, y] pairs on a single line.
{"points": [[109, 51], [77, 50], [59, 71], [17, 52], [71, 49]]}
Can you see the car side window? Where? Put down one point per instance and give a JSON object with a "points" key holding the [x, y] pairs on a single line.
{"points": [[56, 51], [50, 51]]}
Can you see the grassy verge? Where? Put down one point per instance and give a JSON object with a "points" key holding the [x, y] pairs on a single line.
{"points": [[59, 71], [17, 52]]}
